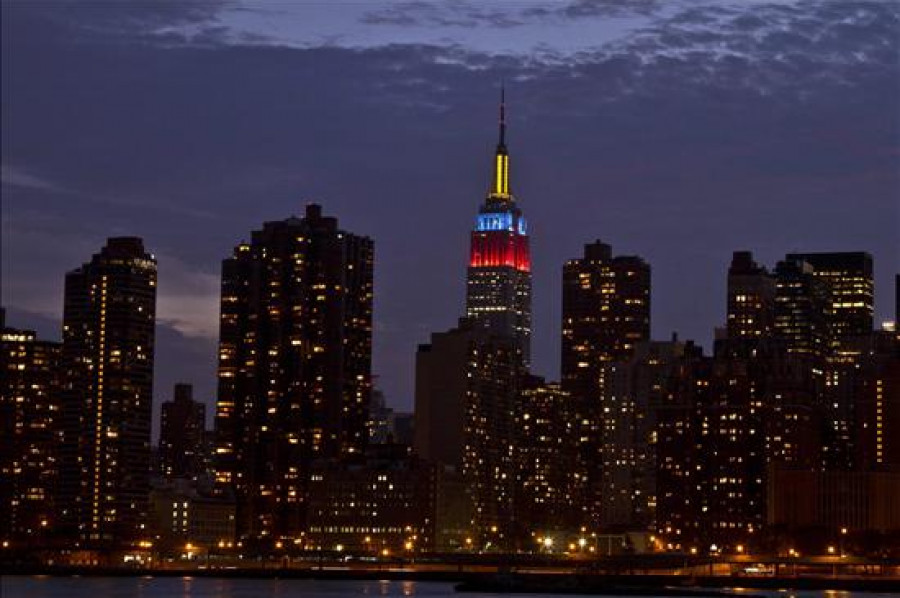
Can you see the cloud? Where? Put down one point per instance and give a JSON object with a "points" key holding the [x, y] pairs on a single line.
{"points": [[187, 299], [442, 14], [420, 13], [580, 9], [10, 175]]}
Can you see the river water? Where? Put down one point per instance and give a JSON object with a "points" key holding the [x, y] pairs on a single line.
{"points": [[178, 587]]}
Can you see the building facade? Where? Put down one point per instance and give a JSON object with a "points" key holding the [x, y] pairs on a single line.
{"points": [[295, 351], [106, 401], [186, 519], [379, 504]]}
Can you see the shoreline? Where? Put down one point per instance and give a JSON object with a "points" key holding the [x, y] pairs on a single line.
{"points": [[520, 582]]}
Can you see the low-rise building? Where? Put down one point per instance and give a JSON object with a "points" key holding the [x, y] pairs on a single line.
{"points": [[186, 518], [382, 504]]}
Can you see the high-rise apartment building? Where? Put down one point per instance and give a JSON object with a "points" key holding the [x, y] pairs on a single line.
{"points": [[182, 435], [498, 285], [107, 356], [295, 352], [605, 313], [29, 436]]}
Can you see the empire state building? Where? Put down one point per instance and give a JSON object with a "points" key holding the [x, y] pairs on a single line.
{"points": [[498, 289]]}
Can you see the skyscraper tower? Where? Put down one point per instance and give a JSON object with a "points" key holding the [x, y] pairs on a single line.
{"points": [[498, 289], [606, 313], [107, 355], [295, 355]]}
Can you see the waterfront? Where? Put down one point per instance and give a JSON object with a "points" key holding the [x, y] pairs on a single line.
{"points": [[42, 586]]}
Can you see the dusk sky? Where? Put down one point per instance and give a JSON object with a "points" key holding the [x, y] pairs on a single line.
{"points": [[679, 131]]}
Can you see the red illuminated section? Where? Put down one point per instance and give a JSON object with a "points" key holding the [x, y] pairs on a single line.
{"points": [[491, 249]]}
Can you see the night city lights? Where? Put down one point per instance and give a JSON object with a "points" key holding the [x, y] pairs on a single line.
{"points": [[274, 322]]}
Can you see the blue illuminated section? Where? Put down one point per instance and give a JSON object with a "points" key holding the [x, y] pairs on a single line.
{"points": [[504, 221], [501, 221]]}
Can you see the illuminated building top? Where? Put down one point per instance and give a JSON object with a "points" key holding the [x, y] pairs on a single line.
{"points": [[500, 235]]}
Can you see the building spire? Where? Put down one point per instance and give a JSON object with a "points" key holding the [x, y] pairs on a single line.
{"points": [[502, 115], [500, 188]]}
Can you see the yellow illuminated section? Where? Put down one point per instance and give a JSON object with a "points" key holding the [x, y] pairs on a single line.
{"points": [[501, 176]]}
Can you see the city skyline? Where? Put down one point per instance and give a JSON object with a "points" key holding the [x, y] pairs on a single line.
{"points": [[671, 343], [585, 171]]}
